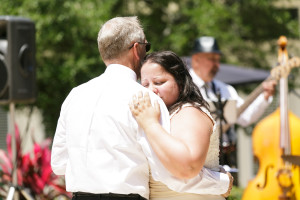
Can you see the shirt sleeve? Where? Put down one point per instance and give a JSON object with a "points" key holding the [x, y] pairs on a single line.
{"points": [[206, 182], [59, 153], [255, 110]]}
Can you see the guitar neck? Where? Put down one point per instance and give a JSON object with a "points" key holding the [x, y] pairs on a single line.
{"points": [[276, 74], [254, 94]]}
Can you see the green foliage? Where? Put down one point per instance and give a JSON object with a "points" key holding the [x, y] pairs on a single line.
{"points": [[66, 35], [236, 193], [66, 46]]}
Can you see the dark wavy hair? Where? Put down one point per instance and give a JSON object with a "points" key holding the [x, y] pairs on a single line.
{"points": [[188, 91]]}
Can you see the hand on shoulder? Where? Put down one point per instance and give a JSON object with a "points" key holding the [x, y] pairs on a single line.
{"points": [[143, 111]]}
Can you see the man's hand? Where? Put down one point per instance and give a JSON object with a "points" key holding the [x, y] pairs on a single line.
{"points": [[230, 185], [269, 88]]}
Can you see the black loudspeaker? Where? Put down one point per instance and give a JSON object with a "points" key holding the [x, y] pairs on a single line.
{"points": [[17, 60]]}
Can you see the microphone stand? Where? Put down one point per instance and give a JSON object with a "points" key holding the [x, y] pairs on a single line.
{"points": [[220, 119]]}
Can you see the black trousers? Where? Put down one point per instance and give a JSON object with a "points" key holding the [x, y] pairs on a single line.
{"points": [[106, 196]]}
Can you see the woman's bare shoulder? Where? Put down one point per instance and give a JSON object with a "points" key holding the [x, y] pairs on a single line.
{"points": [[192, 114]]}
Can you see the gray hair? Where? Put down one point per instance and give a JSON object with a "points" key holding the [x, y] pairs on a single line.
{"points": [[116, 36]]}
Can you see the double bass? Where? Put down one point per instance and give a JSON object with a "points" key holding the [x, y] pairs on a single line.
{"points": [[276, 145]]}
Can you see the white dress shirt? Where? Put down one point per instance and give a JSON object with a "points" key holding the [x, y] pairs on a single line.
{"points": [[99, 147], [249, 116]]}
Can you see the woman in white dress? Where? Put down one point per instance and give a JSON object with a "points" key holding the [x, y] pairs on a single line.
{"points": [[193, 142]]}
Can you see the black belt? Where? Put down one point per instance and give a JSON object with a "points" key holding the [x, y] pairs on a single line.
{"points": [[105, 196]]}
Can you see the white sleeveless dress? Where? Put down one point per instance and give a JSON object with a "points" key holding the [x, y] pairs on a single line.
{"points": [[159, 191]]}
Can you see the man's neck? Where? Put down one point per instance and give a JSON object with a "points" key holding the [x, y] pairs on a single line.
{"points": [[120, 61]]}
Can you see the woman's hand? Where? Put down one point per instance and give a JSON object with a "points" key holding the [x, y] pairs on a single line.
{"points": [[144, 113], [230, 184]]}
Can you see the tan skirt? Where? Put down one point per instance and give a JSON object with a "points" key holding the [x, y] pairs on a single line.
{"points": [[159, 191]]}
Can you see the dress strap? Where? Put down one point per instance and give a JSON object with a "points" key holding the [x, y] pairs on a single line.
{"points": [[203, 109], [179, 108]]}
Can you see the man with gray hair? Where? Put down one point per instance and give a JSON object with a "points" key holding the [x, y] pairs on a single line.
{"points": [[98, 145], [205, 65]]}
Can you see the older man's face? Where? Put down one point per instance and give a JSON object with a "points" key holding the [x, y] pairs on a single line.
{"points": [[206, 65]]}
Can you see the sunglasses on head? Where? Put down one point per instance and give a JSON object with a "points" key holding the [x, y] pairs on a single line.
{"points": [[147, 45]]}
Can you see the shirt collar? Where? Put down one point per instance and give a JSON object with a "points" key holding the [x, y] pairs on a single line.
{"points": [[121, 71], [197, 80]]}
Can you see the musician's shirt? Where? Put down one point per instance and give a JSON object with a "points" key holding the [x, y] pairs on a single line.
{"points": [[249, 116]]}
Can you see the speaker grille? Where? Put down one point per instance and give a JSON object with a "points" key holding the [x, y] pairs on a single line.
{"points": [[17, 60]]}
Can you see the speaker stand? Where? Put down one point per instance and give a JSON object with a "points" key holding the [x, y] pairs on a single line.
{"points": [[15, 190]]}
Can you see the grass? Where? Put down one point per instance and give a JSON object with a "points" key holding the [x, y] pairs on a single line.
{"points": [[236, 193]]}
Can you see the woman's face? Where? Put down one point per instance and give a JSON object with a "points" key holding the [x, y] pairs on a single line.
{"points": [[162, 83]]}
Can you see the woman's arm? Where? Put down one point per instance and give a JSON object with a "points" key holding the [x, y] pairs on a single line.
{"points": [[182, 152]]}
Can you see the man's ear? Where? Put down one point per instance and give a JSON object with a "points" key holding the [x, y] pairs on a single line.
{"points": [[135, 50]]}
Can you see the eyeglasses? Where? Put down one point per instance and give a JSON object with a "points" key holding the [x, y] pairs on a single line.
{"points": [[147, 45]]}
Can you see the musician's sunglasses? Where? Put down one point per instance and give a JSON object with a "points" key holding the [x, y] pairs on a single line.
{"points": [[147, 45]]}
